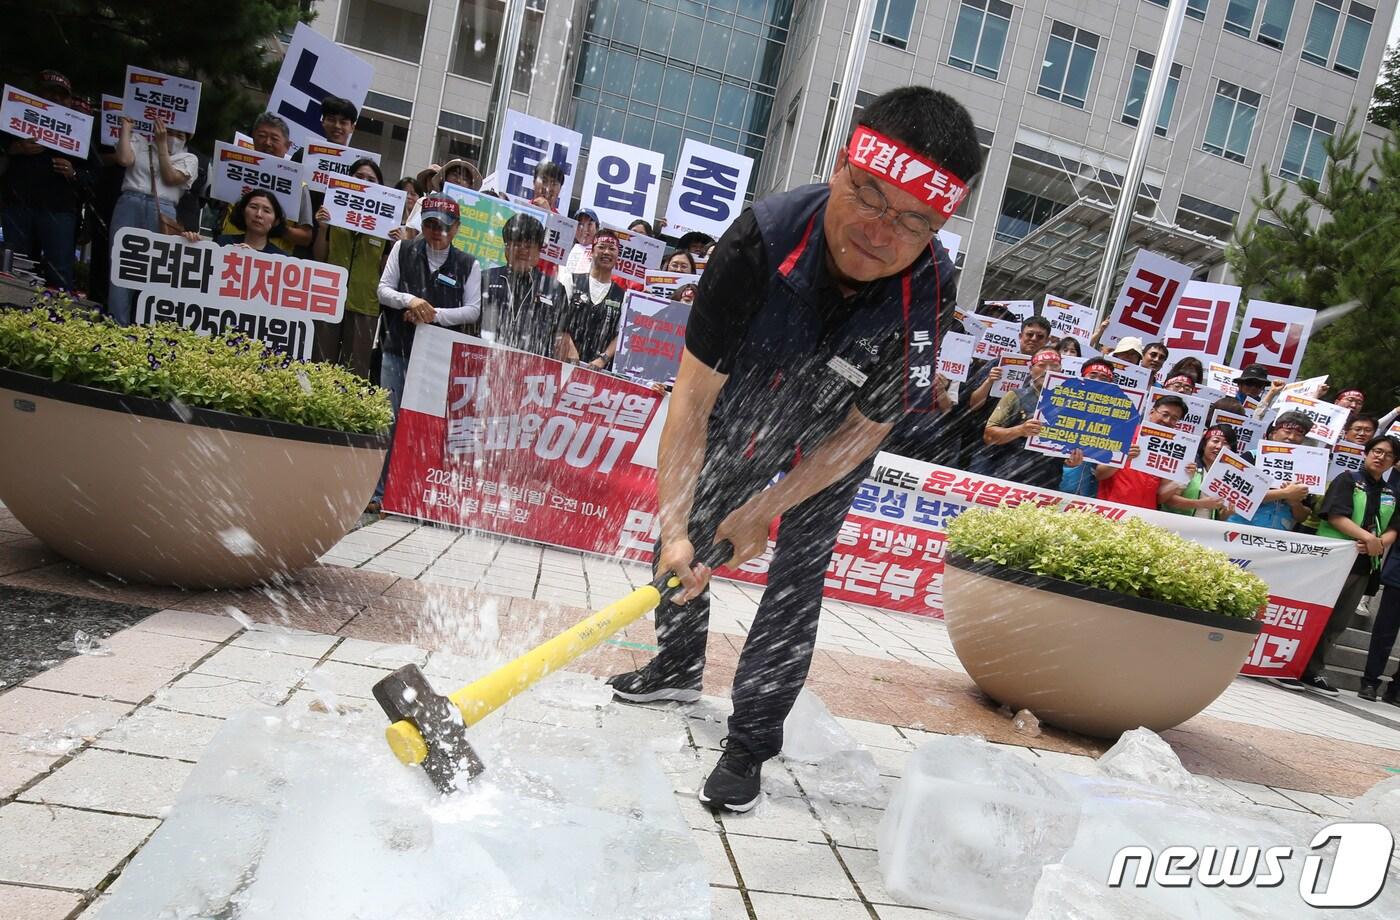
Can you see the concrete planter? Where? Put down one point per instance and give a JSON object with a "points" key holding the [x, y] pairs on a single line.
{"points": [[149, 491], [1092, 661]]}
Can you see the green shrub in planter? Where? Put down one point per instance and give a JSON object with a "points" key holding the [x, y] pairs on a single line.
{"points": [[229, 373], [1130, 557]]}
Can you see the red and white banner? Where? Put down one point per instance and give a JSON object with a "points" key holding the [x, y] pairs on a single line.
{"points": [[1150, 292], [568, 457], [1329, 419], [1274, 335], [1200, 326], [955, 357]]}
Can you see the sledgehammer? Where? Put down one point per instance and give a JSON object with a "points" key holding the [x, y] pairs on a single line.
{"points": [[431, 729]]}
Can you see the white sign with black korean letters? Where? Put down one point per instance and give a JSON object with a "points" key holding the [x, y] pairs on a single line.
{"points": [[365, 207], [1021, 309], [1068, 318], [709, 190], [112, 109], [955, 356], [236, 171], [1150, 292], [1239, 485], [997, 337], [1164, 452], [1346, 458], [559, 233], [1289, 463], [46, 123], [153, 96], [321, 161], [1015, 371], [623, 182], [1329, 419], [636, 255], [526, 142], [1196, 410], [316, 67]]}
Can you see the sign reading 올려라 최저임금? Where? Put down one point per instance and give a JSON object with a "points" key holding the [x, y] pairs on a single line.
{"points": [[46, 123]]}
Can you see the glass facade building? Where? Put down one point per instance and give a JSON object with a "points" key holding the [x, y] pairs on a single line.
{"points": [[651, 72]]}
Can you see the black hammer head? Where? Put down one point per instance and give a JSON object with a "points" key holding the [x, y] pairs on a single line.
{"points": [[406, 695]]}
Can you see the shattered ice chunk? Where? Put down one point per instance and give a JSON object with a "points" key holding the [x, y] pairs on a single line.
{"points": [[86, 644], [239, 541], [1141, 756], [811, 733], [1026, 723]]}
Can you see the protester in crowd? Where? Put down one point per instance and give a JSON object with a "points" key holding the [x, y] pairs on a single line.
{"points": [[1154, 356], [41, 192], [521, 306], [1358, 506], [686, 292], [428, 179], [256, 219], [1077, 474], [549, 182], [271, 135], [1128, 350], [1190, 500], [453, 172], [679, 261], [595, 304], [1227, 404], [1134, 487], [350, 341], [1180, 383], [1097, 368], [338, 117], [1252, 381], [963, 433], [641, 227], [1361, 429], [1189, 367], [459, 172], [1351, 398], [696, 243], [412, 193], [1282, 507], [1013, 422], [581, 255], [162, 166], [1386, 626], [1069, 345]]}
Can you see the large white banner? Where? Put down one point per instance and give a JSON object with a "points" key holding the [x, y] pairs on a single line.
{"points": [[1150, 292], [526, 142], [1200, 326], [316, 67], [709, 190], [47, 123], [1274, 335], [148, 95], [623, 182], [235, 171]]}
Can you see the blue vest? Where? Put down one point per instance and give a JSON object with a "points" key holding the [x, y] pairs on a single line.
{"points": [[787, 390]]}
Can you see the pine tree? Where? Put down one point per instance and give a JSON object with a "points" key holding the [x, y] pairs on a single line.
{"points": [[1385, 101]]}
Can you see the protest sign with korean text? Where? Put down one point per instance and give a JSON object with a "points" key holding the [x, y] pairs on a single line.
{"points": [[1015, 371], [242, 140], [664, 284], [236, 171], [1197, 409], [709, 190], [316, 67], [1274, 335], [1068, 318], [481, 218], [46, 123], [955, 356], [1129, 376], [559, 233], [1311, 387], [651, 338], [637, 255], [1021, 309], [526, 142], [1346, 458], [1329, 419], [1165, 452], [1200, 326], [1249, 432], [112, 111], [1235, 482], [1150, 293], [1094, 416], [213, 289], [152, 96], [1222, 377], [365, 207], [321, 160], [622, 182], [996, 337], [971, 323], [1289, 463], [952, 242]]}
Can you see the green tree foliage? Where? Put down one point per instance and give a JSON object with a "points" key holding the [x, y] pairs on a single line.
{"points": [[1337, 243], [229, 47], [1385, 102]]}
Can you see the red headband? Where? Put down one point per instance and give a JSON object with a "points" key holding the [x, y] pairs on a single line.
{"points": [[1351, 390], [896, 164]]}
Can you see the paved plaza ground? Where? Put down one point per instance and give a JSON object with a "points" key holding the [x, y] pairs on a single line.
{"points": [[94, 748]]}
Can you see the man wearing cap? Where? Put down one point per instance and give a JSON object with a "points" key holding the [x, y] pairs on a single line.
{"points": [[1252, 382], [581, 255], [522, 307], [41, 192], [1013, 422], [425, 280], [815, 329], [595, 304], [1285, 506]]}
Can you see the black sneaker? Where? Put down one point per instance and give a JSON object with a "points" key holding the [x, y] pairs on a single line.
{"points": [[1318, 684], [650, 683], [1368, 692], [735, 782], [1288, 683]]}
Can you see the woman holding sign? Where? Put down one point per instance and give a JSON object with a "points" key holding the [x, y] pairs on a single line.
{"points": [[350, 341], [257, 217]]}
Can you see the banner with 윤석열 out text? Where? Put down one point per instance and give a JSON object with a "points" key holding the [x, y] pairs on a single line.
{"points": [[569, 459]]}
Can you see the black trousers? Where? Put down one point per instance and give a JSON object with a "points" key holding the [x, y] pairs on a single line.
{"points": [[1383, 633], [1353, 589], [777, 654]]}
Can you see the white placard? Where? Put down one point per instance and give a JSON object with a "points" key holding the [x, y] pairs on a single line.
{"points": [[955, 356], [709, 189], [47, 123], [526, 142], [242, 140], [997, 337], [1239, 485], [637, 255], [1071, 319], [316, 67], [951, 241], [1346, 457], [1274, 335], [1196, 410], [622, 183], [1015, 371], [1164, 452], [1129, 376], [234, 171], [365, 207], [112, 110], [1150, 291], [559, 233], [664, 284], [1249, 433], [1201, 324], [1329, 420], [1021, 309], [321, 160], [1222, 377], [1311, 388], [148, 95], [1290, 463]]}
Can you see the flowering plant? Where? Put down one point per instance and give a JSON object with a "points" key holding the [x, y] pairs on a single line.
{"points": [[229, 373], [1130, 557]]}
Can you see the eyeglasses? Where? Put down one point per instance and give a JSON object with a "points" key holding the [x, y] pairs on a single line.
{"points": [[1381, 452], [871, 202]]}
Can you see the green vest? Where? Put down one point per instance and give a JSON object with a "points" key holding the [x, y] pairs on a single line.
{"points": [[1192, 490], [361, 256], [1384, 512]]}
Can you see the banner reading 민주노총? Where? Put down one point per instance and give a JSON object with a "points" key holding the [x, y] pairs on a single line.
{"points": [[211, 288], [569, 458], [1094, 416]]}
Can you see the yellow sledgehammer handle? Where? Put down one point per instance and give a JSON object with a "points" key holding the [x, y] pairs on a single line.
{"points": [[482, 697]]}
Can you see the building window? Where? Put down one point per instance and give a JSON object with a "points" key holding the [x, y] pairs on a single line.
{"points": [[1318, 45], [893, 20], [391, 29], [1241, 17], [1305, 154], [480, 24], [1021, 212], [980, 36], [1231, 124], [1196, 9], [1068, 65], [1137, 91], [862, 100]]}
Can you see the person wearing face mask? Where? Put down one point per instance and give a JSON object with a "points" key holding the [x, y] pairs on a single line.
{"points": [[350, 341], [161, 165], [595, 304], [522, 307], [1190, 500]]}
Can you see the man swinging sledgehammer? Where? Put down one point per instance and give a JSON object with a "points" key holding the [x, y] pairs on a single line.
{"points": [[815, 329]]}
